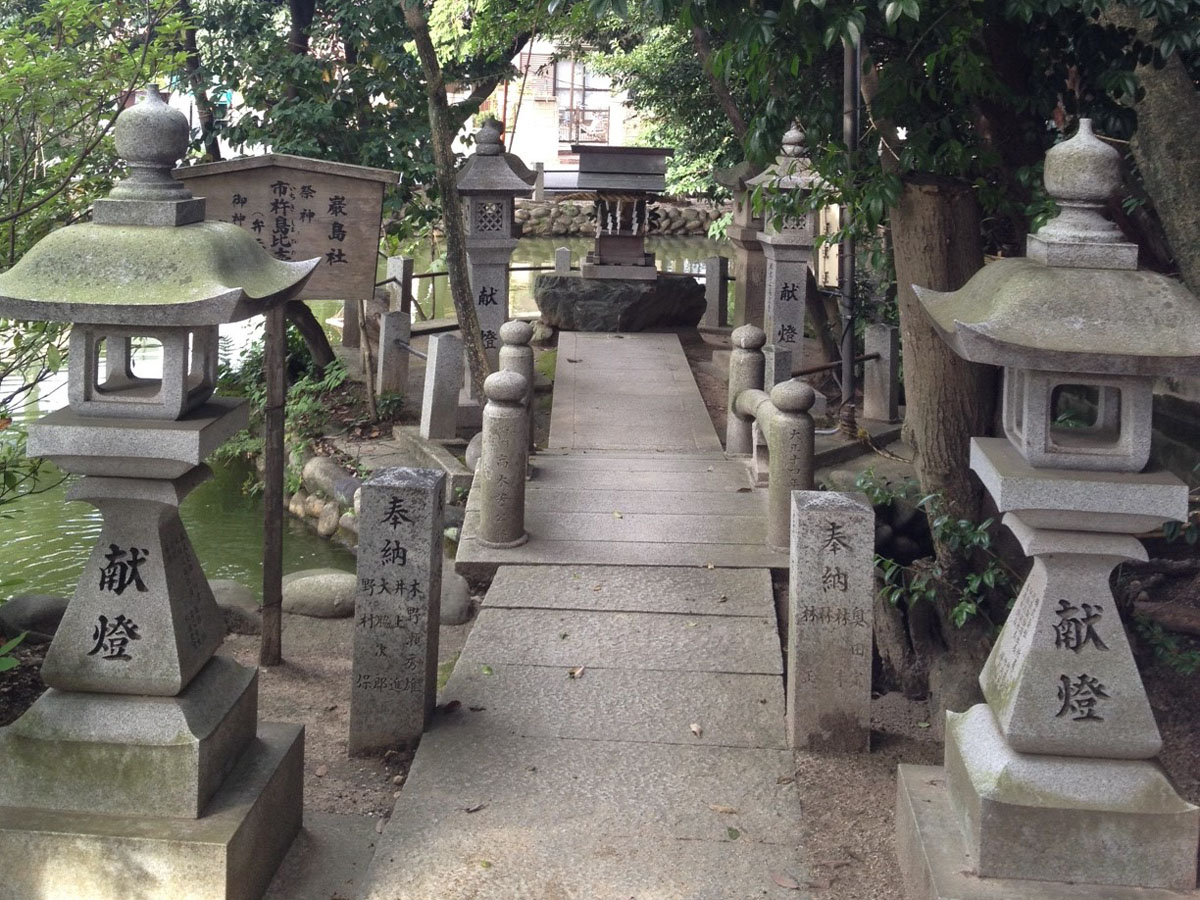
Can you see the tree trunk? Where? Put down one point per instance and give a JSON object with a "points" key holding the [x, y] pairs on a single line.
{"points": [[441, 124], [1165, 146], [936, 243], [195, 77], [310, 329]]}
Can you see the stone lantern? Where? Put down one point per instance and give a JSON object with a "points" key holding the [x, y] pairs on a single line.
{"points": [[1050, 788], [144, 771], [749, 263], [489, 183], [788, 247]]}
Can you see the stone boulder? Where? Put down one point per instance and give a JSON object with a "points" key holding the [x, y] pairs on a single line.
{"points": [[37, 615], [239, 607], [320, 593], [617, 304], [456, 596]]}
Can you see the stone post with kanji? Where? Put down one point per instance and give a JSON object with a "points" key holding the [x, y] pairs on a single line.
{"points": [[489, 183], [396, 609], [830, 599], [1055, 772]]}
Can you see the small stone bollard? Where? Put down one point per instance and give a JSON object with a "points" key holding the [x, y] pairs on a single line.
{"points": [[516, 356], [500, 475], [395, 331], [745, 374], [443, 379], [562, 261], [789, 433], [397, 608], [400, 293], [716, 292], [881, 377], [830, 621]]}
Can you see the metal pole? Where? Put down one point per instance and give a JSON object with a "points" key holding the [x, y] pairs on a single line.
{"points": [[851, 67]]}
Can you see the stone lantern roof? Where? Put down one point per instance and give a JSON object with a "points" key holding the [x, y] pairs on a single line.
{"points": [[1077, 302], [791, 169], [490, 170], [148, 258]]}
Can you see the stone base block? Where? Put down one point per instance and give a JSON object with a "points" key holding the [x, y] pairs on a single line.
{"points": [[1063, 818], [231, 853], [163, 756], [936, 865]]}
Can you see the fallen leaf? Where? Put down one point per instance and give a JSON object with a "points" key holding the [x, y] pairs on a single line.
{"points": [[723, 810], [819, 885], [709, 469], [922, 724], [598, 587], [785, 881], [322, 771], [691, 624], [571, 360], [745, 490], [562, 636], [732, 833], [577, 672], [476, 708], [486, 670], [709, 566], [696, 729], [617, 515], [379, 826], [722, 598], [449, 707], [784, 779], [475, 807], [486, 863]]}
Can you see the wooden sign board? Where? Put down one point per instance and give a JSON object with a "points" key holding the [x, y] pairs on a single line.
{"points": [[299, 208]]}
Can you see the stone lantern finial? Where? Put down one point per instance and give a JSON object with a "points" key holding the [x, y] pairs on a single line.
{"points": [[151, 137], [1081, 174], [793, 142], [487, 139]]}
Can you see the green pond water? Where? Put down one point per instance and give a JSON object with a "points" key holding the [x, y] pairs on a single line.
{"points": [[45, 540]]}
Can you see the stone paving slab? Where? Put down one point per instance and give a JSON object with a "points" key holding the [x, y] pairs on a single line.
{"points": [[645, 528], [621, 705], [630, 462], [674, 503], [476, 561], [613, 787], [723, 592], [629, 640], [727, 479], [525, 862]]}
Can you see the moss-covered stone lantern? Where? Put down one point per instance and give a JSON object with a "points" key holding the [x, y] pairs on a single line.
{"points": [[144, 770], [1050, 786]]}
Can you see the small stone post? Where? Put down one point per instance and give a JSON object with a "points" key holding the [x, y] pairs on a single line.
{"points": [[443, 379], [539, 183], [716, 292], [789, 432], [517, 356], [749, 264], [500, 475], [881, 377], [745, 374], [562, 261], [400, 292], [396, 608], [830, 599], [395, 331]]}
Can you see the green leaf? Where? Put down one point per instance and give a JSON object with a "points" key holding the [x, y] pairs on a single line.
{"points": [[8, 662], [9, 646], [487, 670], [892, 12], [733, 833]]}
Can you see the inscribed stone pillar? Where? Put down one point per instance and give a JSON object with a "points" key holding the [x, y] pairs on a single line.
{"points": [[562, 260], [488, 259], [443, 381], [396, 612], [786, 288], [716, 292], [830, 621]]}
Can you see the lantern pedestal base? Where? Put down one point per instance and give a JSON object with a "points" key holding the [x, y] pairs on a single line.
{"points": [[230, 853], [936, 864]]}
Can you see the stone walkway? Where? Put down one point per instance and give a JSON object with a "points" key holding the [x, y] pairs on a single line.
{"points": [[633, 473], [612, 731]]}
